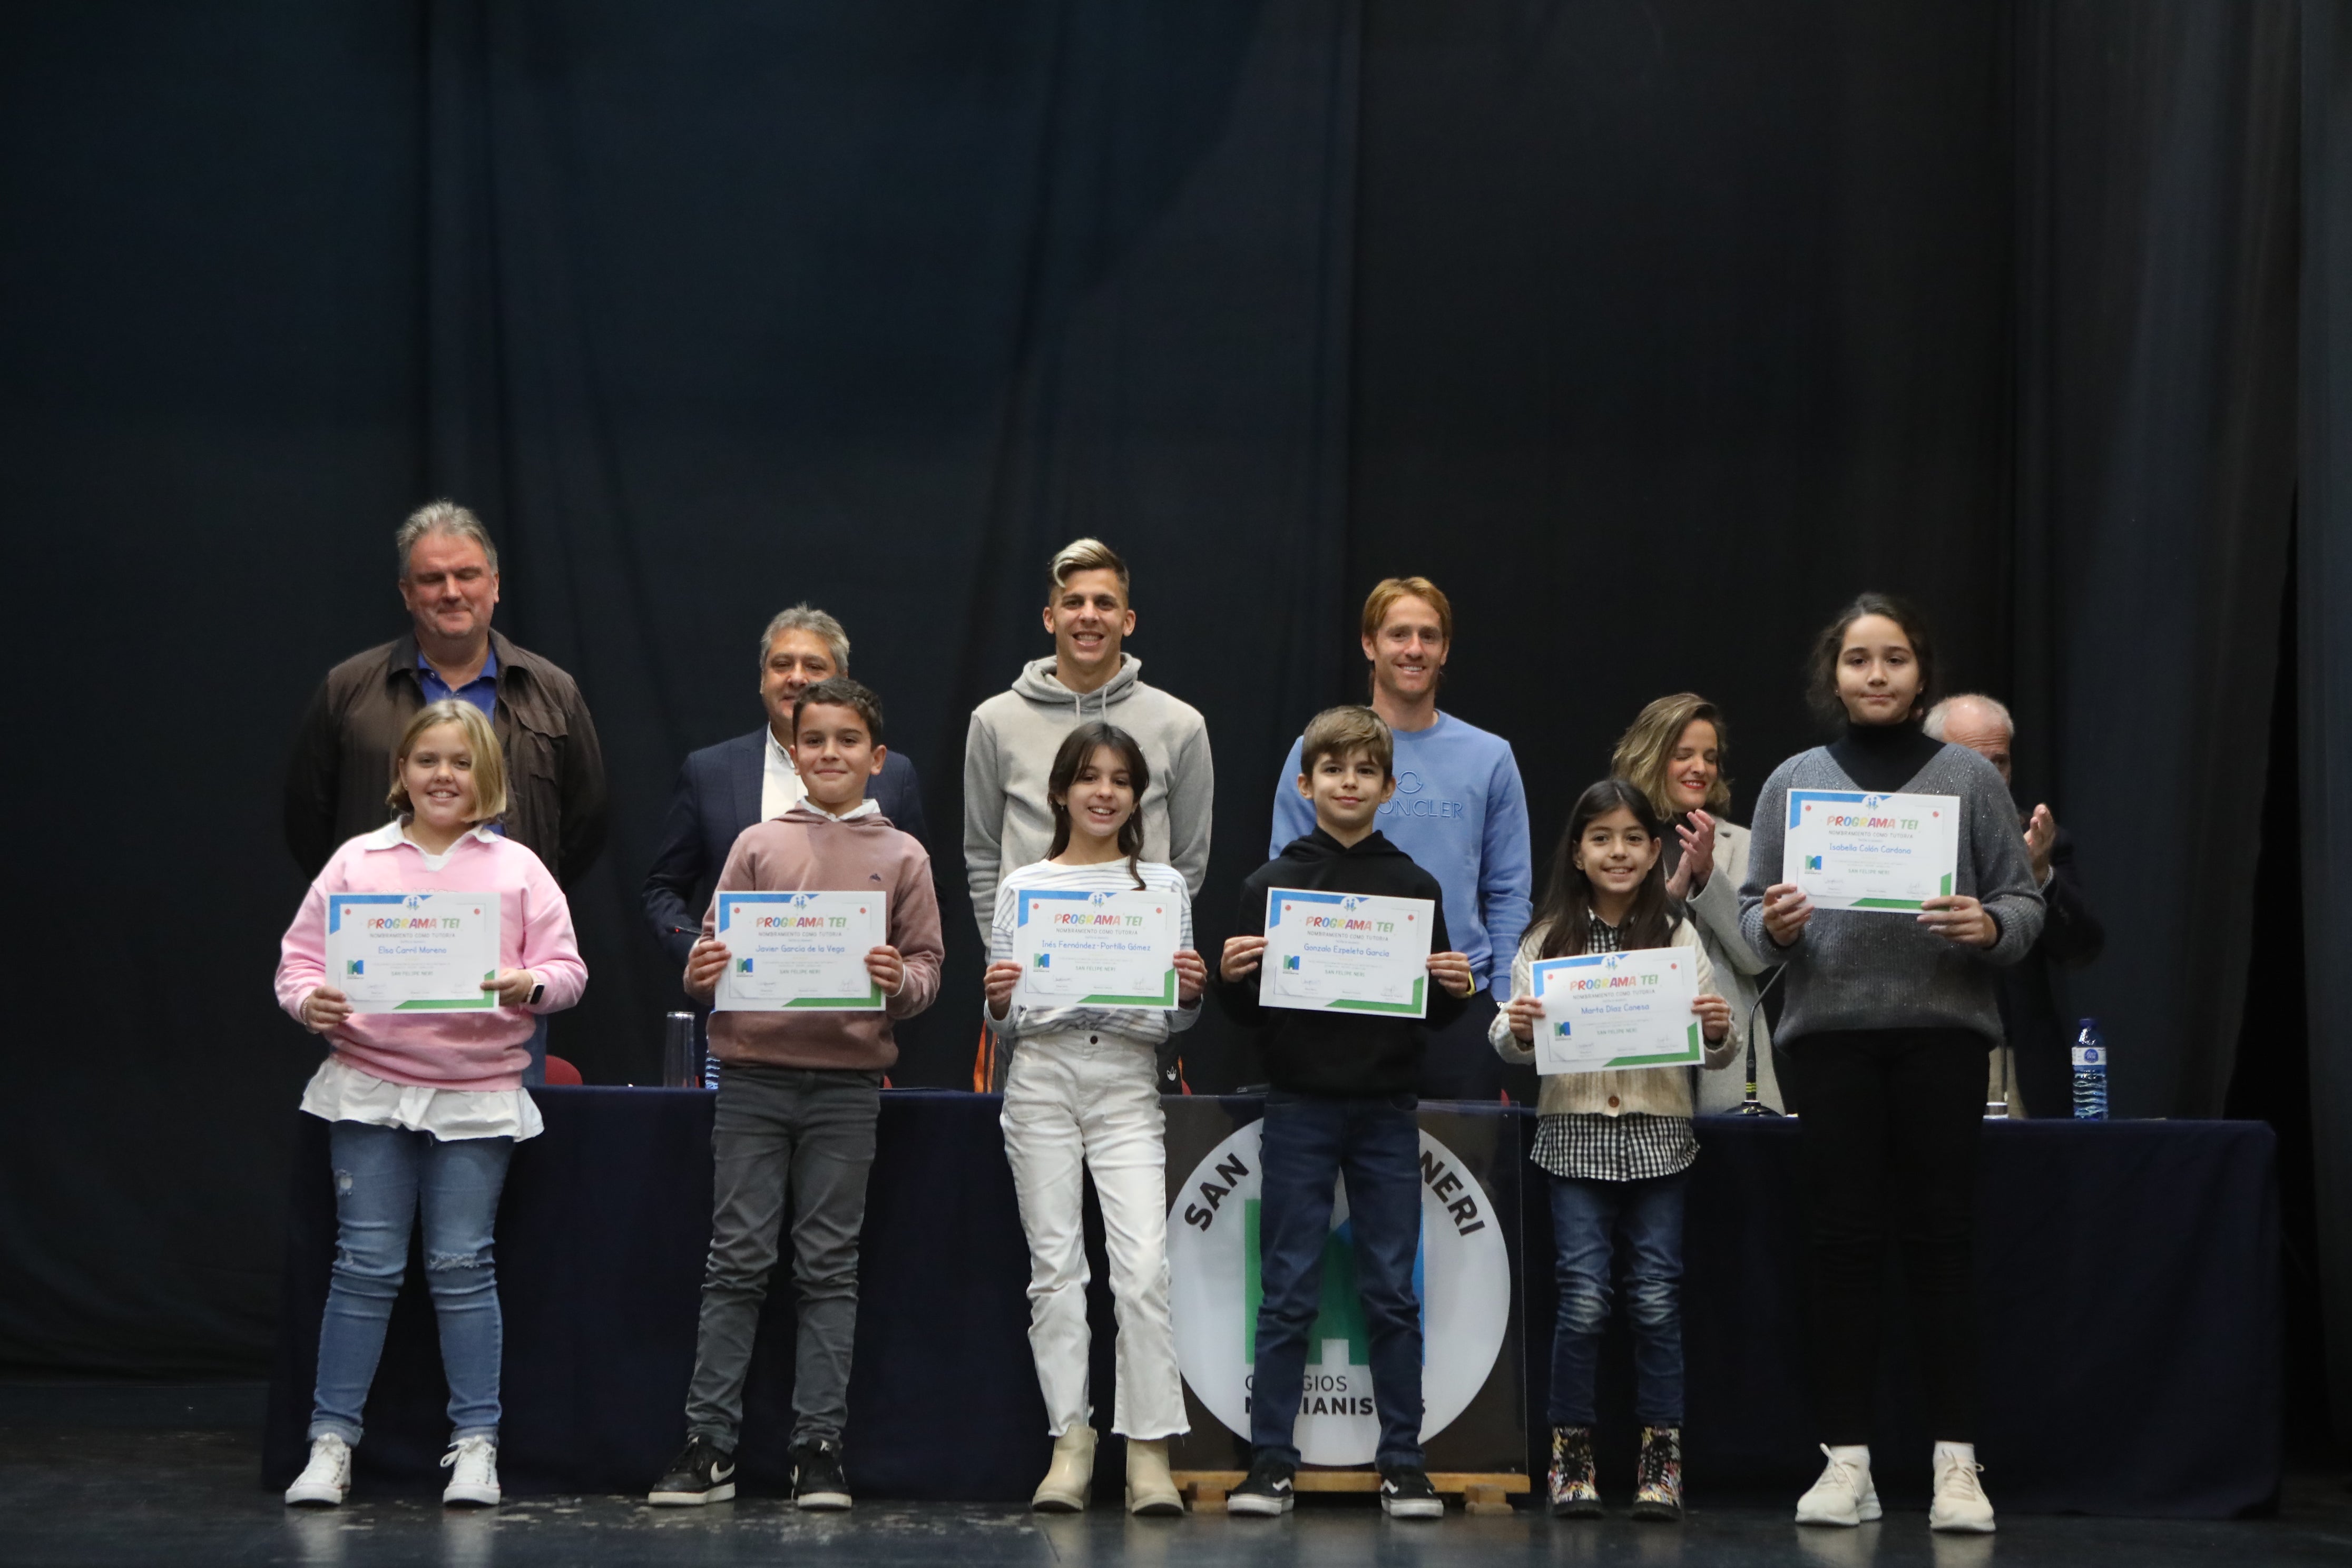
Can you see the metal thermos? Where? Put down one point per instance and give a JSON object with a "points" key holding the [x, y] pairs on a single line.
{"points": [[681, 1061]]}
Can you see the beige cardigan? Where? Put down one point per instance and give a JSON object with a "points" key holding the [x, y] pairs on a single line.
{"points": [[1654, 1091]]}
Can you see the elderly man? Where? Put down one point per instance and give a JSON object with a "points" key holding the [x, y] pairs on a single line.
{"points": [[2038, 1070], [341, 764], [724, 789]]}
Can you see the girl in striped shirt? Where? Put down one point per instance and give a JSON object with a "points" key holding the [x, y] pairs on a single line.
{"points": [[1083, 1091]]}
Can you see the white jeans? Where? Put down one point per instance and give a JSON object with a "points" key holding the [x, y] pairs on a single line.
{"points": [[1072, 1101]]}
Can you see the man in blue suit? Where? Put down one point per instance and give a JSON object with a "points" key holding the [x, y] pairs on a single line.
{"points": [[724, 789]]}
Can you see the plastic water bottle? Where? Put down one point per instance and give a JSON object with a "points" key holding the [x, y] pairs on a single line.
{"points": [[2090, 1073], [710, 1070]]}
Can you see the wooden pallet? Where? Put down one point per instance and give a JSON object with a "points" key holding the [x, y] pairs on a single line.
{"points": [[1480, 1491]]}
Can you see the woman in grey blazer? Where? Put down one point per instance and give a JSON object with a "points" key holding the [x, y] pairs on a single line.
{"points": [[1674, 754]]}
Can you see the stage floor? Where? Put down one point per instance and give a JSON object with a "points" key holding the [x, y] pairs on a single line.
{"points": [[138, 1477]]}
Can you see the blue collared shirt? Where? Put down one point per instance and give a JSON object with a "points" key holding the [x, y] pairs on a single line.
{"points": [[482, 691]]}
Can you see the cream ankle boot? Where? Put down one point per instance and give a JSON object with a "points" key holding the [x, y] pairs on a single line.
{"points": [[1070, 1477], [1150, 1489]]}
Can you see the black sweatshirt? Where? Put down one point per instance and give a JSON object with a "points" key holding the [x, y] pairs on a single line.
{"points": [[1344, 1055]]}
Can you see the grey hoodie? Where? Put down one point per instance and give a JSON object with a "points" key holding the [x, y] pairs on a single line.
{"points": [[1010, 750]]}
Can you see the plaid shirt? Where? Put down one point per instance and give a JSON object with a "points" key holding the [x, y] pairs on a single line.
{"points": [[1631, 1148]]}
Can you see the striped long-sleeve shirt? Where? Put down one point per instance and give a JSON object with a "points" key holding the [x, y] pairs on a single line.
{"points": [[1145, 1026]]}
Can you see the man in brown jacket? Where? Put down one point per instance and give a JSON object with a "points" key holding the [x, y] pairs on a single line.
{"points": [[341, 764]]}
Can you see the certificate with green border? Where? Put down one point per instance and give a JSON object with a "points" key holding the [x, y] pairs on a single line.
{"points": [[1887, 853], [1098, 949], [1608, 1011], [1346, 953], [801, 952], [413, 952]]}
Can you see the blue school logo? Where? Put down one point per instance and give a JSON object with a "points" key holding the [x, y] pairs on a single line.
{"points": [[1870, 802], [413, 902], [355, 966], [801, 901], [1042, 961], [1290, 963], [1560, 1029], [1099, 900], [742, 966], [1813, 862]]}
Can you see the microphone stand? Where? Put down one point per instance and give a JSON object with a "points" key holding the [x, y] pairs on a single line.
{"points": [[1752, 1106]]}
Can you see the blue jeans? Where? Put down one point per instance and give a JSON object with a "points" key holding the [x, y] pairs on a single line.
{"points": [[382, 1176], [1585, 1219], [1311, 1141]]}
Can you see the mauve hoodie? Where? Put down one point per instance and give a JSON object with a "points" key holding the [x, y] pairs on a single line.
{"points": [[806, 851], [441, 1050]]}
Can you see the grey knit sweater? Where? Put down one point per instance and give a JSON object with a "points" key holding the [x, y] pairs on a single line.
{"points": [[1849, 969]]}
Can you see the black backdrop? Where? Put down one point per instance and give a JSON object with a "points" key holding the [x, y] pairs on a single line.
{"points": [[1652, 331]]}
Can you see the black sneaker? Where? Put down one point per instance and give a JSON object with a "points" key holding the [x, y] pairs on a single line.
{"points": [[1405, 1493], [817, 1484], [704, 1473], [1266, 1492]]}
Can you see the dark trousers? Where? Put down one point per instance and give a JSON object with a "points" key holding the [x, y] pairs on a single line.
{"points": [[1311, 1142], [1888, 1150], [785, 1143], [1587, 1218]]}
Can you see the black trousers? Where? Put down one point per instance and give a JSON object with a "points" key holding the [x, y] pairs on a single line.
{"points": [[1888, 1151]]}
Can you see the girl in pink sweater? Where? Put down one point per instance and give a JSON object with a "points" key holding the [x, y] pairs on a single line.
{"points": [[426, 1108]]}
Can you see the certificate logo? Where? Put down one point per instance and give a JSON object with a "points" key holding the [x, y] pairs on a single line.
{"points": [[742, 966], [1462, 1272], [355, 966], [1290, 963], [1813, 862], [1042, 961], [413, 902]]}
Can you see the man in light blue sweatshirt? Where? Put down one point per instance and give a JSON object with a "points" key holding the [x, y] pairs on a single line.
{"points": [[1460, 811]]}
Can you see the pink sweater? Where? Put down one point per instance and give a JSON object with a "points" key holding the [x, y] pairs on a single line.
{"points": [[442, 1051]]}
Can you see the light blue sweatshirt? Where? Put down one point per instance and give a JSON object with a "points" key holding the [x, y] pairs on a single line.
{"points": [[1462, 814]]}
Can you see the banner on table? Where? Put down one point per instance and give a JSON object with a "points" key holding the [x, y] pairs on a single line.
{"points": [[1474, 1413]]}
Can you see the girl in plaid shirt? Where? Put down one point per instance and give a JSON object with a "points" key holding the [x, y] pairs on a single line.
{"points": [[1617, 1146]]}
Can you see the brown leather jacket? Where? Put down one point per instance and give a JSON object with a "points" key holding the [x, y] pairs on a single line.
{"points": [[341, 765]]}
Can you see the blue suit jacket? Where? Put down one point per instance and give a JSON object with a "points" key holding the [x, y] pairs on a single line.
{"points": [[717, 797]]}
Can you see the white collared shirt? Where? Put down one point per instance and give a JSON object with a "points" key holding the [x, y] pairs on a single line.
{"points": [[393, 834], [780, 782]]}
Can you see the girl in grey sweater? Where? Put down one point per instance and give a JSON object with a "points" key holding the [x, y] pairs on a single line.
{"points": [[1888, 1020]]}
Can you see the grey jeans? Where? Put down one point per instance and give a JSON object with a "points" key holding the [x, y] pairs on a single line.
{"points": [[784, 1137]]}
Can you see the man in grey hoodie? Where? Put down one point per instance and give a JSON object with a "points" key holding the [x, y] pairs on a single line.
{"points": [[1014, 734]]}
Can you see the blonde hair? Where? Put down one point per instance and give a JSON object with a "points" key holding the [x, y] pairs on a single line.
{"points": [[1339, 732], [1646, 750], [1388, 590], [489, 769], [1083, 555]]}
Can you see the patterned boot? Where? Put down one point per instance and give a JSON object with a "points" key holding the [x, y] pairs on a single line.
{"points": [[1658, 1488], [1575, 1491]]}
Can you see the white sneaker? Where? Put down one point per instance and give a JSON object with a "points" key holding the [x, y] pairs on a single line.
{"points": [[1960, 1502], [1843, 1496], [326, 1479], [473, 1464]]}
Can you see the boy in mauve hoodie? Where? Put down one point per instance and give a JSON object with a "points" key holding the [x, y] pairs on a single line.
{"points": [[797, 1104], [1341, 1099]]}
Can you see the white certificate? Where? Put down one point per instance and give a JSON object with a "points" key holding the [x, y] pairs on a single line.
{"points": [[1346, 953], [1095, 949], [1612, 1010], [800, 951], [1885, 852], [413, 952]]}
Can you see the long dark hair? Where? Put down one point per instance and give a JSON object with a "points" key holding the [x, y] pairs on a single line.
{"points": [[1565, 916], [1077, 747], [1821, 669]]}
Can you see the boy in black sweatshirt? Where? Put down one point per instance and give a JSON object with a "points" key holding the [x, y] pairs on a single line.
{"points": [[1340, 1099]]}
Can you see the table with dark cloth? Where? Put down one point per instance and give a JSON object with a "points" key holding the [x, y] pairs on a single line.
{"points": [[2129, 1278]]}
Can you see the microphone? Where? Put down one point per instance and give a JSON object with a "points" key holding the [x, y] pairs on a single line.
{"points": [[1752, 1106]]}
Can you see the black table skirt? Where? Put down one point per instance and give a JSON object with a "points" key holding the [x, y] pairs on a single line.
{"points": [[2128, 1271]]}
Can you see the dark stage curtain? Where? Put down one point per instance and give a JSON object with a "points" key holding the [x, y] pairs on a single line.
{"points": [[2323, 535], [1653, 333]]}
